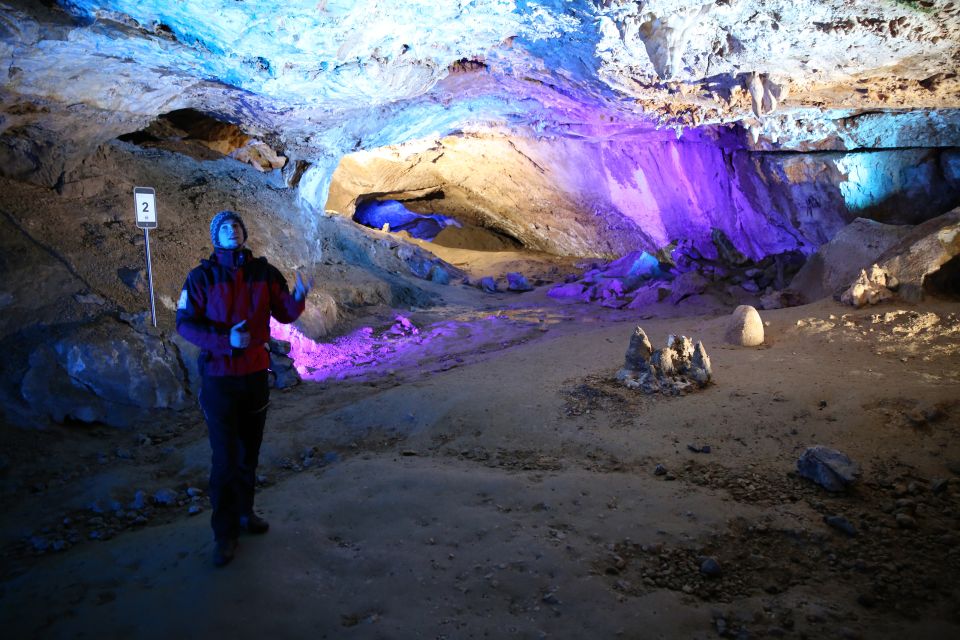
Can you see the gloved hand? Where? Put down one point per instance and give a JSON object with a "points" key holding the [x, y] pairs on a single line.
{"points": [[239, 336], [302, 288]]}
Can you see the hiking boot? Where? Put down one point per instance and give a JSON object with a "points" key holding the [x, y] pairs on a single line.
{"points": [[223, 551], [252, 523]]}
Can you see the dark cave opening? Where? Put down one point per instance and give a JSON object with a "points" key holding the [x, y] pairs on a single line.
{"points": [[188, 124], [945, 282]]}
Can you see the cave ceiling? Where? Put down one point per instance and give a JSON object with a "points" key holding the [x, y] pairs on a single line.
{"points": [[322, 78]]}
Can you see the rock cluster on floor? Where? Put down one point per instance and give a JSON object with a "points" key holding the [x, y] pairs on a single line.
{"points": [[679, 367], [871, 286], [681, 271], [282, 366]]}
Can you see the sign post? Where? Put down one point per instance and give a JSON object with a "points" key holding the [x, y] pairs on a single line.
{"points": [[145, 210]]}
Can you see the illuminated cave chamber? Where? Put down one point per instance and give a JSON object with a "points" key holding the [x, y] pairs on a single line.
{"points": [[609, 196], [419, 193]]}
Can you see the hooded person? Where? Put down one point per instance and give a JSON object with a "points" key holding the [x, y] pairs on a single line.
{"points": [[225, 309]]}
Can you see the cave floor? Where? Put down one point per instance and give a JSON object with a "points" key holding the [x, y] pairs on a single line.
{"points": [[508, 489]]}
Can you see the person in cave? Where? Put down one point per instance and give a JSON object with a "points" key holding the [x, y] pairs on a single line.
{"points": [[225, 308]]}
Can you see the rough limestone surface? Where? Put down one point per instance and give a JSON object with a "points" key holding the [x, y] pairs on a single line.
{"points": [[912, 265], [654, 116], [687, 284], [923, 252], [872, 286], [679, 367], [754, 204], [744, 327], [105, 372], [638, 351], [837, 263]]}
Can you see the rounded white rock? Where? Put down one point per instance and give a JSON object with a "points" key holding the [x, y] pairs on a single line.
{"points": [[745, 328]]}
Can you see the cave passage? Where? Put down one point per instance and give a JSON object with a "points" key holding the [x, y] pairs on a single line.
{"points": [[393, 216], [945, 282]]}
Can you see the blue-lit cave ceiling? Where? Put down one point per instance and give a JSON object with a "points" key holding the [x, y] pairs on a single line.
{"points": [[668, 115]]}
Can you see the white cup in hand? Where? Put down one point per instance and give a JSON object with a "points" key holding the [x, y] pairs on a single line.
{"points": [[239, 336]]}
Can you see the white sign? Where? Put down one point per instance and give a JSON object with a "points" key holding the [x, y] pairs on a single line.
{"points": [[145, 205]]}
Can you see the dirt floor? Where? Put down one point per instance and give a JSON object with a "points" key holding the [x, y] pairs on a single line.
{"points": [[506, 486], [484, 475]]}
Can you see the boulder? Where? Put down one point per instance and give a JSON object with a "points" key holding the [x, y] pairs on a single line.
{"points": [[646, 296], [686, 285], [108, 372], [285, 375], [744, 327], [614, 303], [489, 285], [827, 467], [871, 286], [425, 266], [517, 282], [570, 290], [836, 264], [439, 275], [922, 253], [282, 365], [635, 264], [609, 288]]}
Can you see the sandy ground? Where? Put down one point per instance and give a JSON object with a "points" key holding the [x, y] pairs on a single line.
{"points": [[508, 489]]}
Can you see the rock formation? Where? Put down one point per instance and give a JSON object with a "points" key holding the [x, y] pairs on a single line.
{"points": [[677, 368], [836, 263], [827, 467], [925, 259], [744, 327]]}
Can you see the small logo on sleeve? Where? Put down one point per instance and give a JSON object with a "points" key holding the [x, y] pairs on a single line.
{"points": [[182, 302]]}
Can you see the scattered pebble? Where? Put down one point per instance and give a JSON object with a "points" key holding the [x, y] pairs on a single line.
{"points": [[139, 501], [710, 567], [165, 497], [906, 522], [841, 524]]}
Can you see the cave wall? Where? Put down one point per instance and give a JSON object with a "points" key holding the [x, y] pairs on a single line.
{"points": [[580, 197]]}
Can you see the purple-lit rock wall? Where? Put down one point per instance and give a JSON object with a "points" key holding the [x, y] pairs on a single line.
{"points": [[579, 197]]}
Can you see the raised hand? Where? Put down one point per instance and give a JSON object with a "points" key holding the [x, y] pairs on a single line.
{"points": [[302, 288]]}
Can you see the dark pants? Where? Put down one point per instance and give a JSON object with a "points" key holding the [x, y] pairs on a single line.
{"points": [[235, 408]]}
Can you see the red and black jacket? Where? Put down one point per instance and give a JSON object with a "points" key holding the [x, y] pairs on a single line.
{"points": [[230, 287]]}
